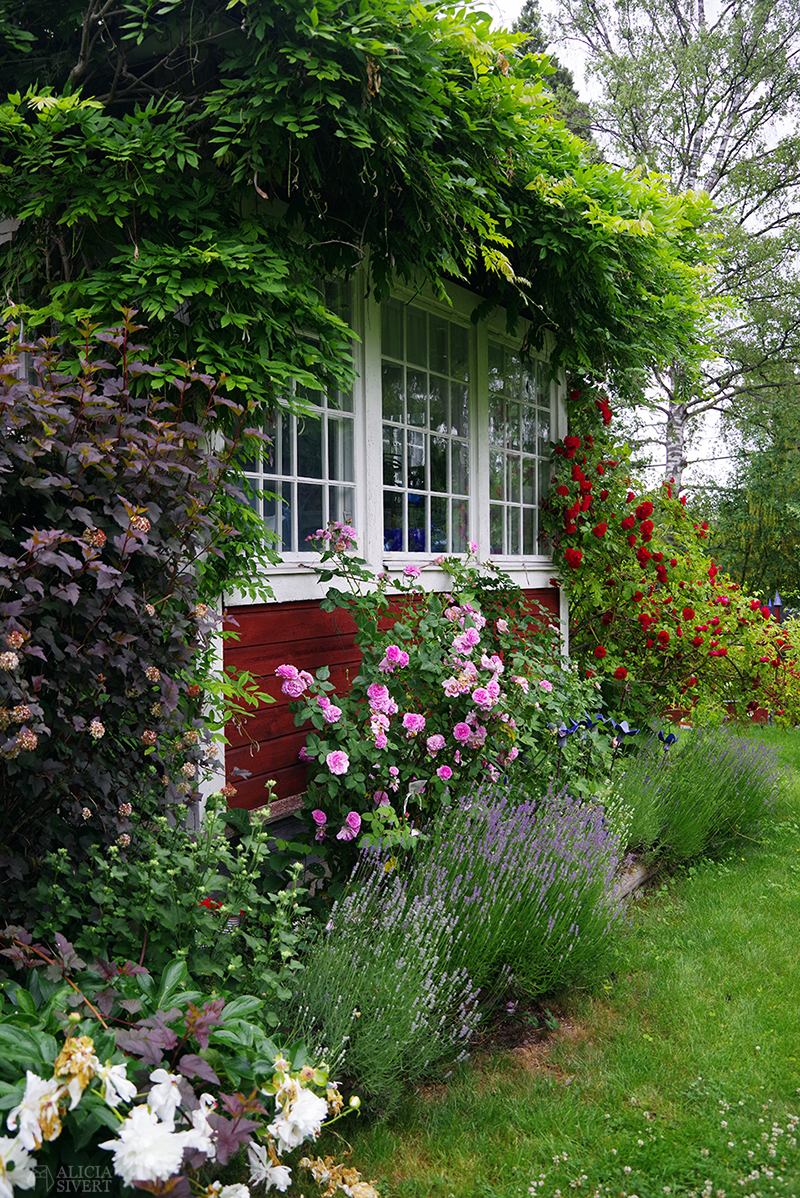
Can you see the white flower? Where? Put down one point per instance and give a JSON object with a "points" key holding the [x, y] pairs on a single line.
{"points": [[165, 1097], [147, 1150], [237, 1190], [117, 1086], [300, 1119], [202, 1135], [37, 1114], [20, 1174], [262, 1169]]}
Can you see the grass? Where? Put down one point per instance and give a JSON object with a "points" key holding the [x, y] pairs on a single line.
{"points": [[679, 1074]]}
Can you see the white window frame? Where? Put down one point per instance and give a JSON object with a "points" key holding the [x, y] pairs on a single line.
{"points": [[294, 579]]}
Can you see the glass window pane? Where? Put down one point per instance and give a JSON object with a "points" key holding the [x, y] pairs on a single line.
{"points": [[252, 492], [497, 470], [497, 420], [440, 419], [417, 524], [393, 406], [417, 325], [529, 530], [393, 472], [278, 514], [311, 398], [392, 329], [340, 450], [416, 460], [513, 374], [529, 480], [439, 525], [496, 367], [460, 525], [545, 480], [392, 522], [309, 448], [513, 479], [496, 528], [512, 516], [459, 351], [528, 429], [341, 504], [438, 345], [529, 388], [544, 433], [417, 397], [460, 483], [512, 426], [439, 464], [459, 399], [309, 511]]}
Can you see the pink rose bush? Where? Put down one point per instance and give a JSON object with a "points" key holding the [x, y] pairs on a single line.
{"points": [[450, 693]]}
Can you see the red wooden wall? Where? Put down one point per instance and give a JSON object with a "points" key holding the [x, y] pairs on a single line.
{"points": [[271, 634]]}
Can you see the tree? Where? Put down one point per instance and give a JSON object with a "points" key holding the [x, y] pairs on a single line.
{"points": [[755, 517], [561, 82], [712, 103], [208, 166]]}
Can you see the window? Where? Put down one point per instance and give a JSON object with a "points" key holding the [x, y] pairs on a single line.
{"points": [[306, 476], [520, 422], [426, 427]]}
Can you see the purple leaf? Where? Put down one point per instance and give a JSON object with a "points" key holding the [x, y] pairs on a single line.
{"points": [[192, 1065], [230, 1136]]}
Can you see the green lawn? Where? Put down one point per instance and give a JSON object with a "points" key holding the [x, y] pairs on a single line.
{"points": [[678, 1075]]}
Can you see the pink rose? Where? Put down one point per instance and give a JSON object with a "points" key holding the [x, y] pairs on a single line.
{"points": [[319, 817], [287, 672], [412, 572], [413, 722], [444, 772], [351, 827], [380, 741], [502, 625], [332, 714], [472, 546], [545, 685], [294, 687], [435, 743], [462, 733], [338, 762], [381, 798]]}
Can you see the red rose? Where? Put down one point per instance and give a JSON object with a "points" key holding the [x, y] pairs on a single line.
{"points": [[663, 637], [586, 486], [600, 530], [628, 522], [621, 673], [643, 556], [571, 529], [554, 582], [646, 530], [572, 442], [577, 473], [754, 605], [604, 496], [658, 557], [632, 539], [573, 557], [630, 497], [698, 640], [586, 503], [688, 613], [600, 469], [562, 490], [649, 643], [575, 394], [638, 596], [599, 651], [590, 674], [644, 510]]}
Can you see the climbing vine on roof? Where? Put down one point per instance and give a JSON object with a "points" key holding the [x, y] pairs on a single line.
{"points": [[208, 164]]}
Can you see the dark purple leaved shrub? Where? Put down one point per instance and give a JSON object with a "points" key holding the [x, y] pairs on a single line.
{"points": [[108, 482]]}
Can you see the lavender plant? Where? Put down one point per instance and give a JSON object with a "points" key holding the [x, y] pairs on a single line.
{"points": [[499, 886], [712, 788]]}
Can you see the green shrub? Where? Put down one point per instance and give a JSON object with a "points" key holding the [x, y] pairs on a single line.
{"points": [[499, 888], [230, 909], [711, 788]]}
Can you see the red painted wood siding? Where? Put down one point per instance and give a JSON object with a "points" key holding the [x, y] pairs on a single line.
{"points": [[271, 634]]}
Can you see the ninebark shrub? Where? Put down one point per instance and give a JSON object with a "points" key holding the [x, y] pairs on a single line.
{"points": [[110, 472]]}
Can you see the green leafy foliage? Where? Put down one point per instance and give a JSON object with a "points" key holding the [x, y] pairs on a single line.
{"points": [[211, 166], [651, 613]]}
